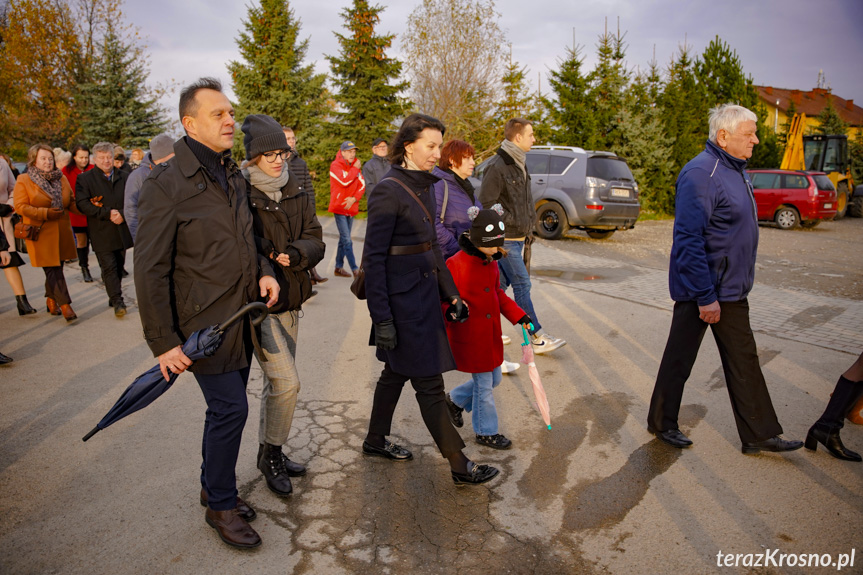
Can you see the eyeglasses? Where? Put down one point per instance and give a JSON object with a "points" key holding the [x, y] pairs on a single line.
{"points": [[271, 156]]}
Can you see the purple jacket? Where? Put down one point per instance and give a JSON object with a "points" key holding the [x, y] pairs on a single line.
{"points": [[455, 220]]}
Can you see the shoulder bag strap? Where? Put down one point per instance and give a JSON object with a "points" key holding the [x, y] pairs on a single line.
{"points": [[445, 200], [413, 195]]}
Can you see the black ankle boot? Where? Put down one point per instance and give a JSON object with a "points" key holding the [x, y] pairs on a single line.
{"points": [[826, 429], [85, 271], [273, 467], [24, 307]]}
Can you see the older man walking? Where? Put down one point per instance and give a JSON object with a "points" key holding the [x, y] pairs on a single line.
{"points": [[195, 265], [377, 167], [711, 274], [161, 150]]}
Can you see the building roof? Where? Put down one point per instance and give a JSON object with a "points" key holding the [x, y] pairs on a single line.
{"points": [[811, 103]]}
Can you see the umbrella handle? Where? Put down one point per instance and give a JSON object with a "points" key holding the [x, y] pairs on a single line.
{"points": [[254, 306]]}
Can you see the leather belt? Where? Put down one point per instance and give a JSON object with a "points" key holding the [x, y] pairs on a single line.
{"points": [[409, 250]]}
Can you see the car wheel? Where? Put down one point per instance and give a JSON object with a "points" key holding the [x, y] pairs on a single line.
{"points": [[600, 234], [786, 217], [855, 208], [841, 199], [551, 221], [809, 224]]}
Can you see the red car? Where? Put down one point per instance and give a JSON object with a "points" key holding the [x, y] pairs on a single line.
{"points": [[790, 197]]}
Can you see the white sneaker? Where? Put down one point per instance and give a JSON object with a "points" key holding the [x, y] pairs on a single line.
{"points": [[509, 367], [544, 343], [506, 340]]}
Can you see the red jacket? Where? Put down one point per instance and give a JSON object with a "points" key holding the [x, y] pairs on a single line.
{"points": [[476, 343], [345, 180], [72, 171]]}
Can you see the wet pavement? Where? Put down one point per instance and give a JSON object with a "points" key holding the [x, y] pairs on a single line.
{"points": [[596, 494]]}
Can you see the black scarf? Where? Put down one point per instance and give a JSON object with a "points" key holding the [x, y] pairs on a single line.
{"points": [[464, 184]]}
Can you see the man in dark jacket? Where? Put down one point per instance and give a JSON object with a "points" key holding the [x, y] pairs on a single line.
{"points": [[99, 195], [195, 265], [711, 273], [161, 150], [300, 169], [507, 182], [376, 168]]}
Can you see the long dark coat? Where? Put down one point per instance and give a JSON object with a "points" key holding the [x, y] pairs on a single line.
{"points": [[407, 288], [105, 234], [195, 258], [288, 226]]}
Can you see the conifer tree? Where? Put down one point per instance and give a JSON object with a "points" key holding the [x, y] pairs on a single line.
{"points": [[516, 100], [830, 122], [568, 107], [608, 81], [272, 77], [115, 104], [366, 78]]}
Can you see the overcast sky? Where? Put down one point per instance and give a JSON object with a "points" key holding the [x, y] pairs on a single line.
{"points": [[781, 43]]}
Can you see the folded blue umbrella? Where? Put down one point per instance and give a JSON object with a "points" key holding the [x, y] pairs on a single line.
{"points": [[150, 385]]}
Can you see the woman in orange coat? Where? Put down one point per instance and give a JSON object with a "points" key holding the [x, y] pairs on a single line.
{"points": [[43, 198]]}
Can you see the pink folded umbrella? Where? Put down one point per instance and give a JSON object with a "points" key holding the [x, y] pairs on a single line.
{"points": [[533, 373]]}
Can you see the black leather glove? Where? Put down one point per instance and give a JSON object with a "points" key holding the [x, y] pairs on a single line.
{"points": [[525, 321], [385, 335], [5, 210], [457, 311]]}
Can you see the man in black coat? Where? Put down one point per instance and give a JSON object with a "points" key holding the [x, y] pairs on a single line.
{"points": [[195, 265], [99, 195]]}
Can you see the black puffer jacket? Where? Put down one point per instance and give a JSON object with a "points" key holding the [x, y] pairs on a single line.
{"points": [[505, 183], [288, 226]]}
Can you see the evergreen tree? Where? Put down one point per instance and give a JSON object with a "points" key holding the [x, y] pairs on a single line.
{"points": [[568, 108], [608, 81], [365, 78], [115, 104], [683, 110], [272, 77], [830, 122], [517, 100]]}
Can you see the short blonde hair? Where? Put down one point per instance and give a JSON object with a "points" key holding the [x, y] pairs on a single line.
{"points": [[34, 151]]}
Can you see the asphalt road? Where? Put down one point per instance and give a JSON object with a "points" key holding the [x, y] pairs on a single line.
{"points": [[596, 494]]}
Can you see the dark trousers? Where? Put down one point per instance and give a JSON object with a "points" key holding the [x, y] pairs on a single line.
{"points": [[111, 264], [753, 411], [55, 285], [227, 409], [432, 402]]}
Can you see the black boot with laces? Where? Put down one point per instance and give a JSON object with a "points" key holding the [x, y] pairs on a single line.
{"points": [[272, 466]]}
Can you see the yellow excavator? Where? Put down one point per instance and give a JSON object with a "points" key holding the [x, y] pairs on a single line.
{"points": [[827, 154]]}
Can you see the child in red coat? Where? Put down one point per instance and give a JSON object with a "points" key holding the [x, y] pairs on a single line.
{"points": [[476, 343]]}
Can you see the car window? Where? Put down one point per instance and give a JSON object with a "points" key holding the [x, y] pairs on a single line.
{"points": [[795, 182], [558, 164], [823, 183], [763, 181], [537, 163], [607, 168]]}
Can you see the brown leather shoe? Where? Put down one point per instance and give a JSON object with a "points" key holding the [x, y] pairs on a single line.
{"points": [[316, 277], [244, 510], [68, 312], [232, 528], [340, 272], [53, 308]]}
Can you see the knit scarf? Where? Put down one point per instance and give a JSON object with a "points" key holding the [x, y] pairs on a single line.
{"points": [[49, 182], [515, 153], [272, 186]]}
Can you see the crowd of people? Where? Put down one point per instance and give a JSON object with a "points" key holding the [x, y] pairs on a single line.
{"points": [[211, 234]]}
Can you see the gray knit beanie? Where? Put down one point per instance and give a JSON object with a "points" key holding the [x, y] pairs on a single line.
{"points": [[161, 146], [262, 134]]}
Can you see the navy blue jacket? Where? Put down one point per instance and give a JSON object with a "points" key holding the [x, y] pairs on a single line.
{"points": [[715, 230]]}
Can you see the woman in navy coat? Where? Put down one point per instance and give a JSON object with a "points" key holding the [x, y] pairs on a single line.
{"points": [[406, 280]]}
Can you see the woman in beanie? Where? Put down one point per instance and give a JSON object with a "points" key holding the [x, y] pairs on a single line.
{"points": [[476, 343], [287, 232], [406, 280]]}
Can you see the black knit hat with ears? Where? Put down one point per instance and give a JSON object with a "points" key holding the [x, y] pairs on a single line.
{"points": [[262, 134], [487, 229]]}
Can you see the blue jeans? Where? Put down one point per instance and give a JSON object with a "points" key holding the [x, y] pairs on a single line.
{"points": [[476, 396], [514, 273], [346, 246]]}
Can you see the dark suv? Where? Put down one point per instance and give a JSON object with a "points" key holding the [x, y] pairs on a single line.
{"points": [[582, 189], [790, 197]]}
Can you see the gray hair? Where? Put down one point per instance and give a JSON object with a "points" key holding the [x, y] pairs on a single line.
{"points": [[106, 147], [727, 117]]}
